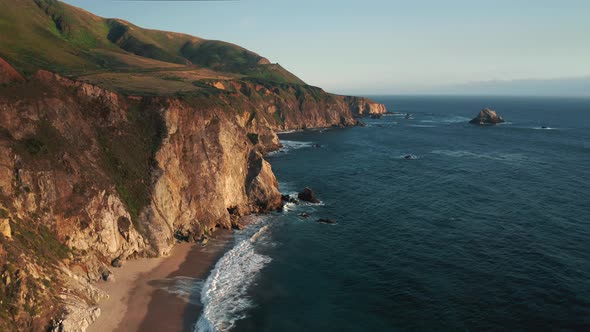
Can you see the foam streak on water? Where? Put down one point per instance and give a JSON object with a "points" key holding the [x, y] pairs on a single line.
{"points": [[224, 295], [291, 145]]}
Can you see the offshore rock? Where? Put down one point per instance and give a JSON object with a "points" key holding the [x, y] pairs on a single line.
{"points": [[308, 195], [487, 116]]}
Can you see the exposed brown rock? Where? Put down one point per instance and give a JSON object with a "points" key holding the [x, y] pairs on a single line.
{"points": [[8, 74], [5, 229], [487, 116], [361, 106]]}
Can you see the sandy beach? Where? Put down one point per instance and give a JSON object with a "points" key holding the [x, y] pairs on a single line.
{"points": [[139, 298]]}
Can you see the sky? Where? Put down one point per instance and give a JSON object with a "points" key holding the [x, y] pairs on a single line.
{"points": [[388, 46]]}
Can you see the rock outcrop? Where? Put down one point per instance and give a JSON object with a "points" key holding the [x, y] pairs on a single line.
{"points": [[361, 106], [8, 74], [5, 229], [487, 117], [308, 195]]}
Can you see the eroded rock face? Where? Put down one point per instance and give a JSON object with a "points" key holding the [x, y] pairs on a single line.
{"points": [[205, 170], [487, 117], [5, 229], [363, 106], [262, 185]]}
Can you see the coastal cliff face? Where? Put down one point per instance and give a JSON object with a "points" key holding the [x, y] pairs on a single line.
{"points": [[90, 177], [360, 106], [154, 137], [284, 106]]}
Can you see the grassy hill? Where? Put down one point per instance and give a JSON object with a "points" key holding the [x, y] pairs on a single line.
{"points": [[48, 34]]}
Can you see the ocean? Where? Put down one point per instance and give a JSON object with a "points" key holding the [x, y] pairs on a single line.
{"points": [[487, 229]]}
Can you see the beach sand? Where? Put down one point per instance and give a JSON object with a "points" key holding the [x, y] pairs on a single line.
{"points": [[138, 298]]}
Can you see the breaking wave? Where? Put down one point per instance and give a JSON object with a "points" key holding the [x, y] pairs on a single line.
{"points": [[291, 145], [224, 295], [185, 288]]}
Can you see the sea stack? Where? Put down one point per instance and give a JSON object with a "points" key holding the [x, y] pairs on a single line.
{"points": [[487, 116], [308, 195]]}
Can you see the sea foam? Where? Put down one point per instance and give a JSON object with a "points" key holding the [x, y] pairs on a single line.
{"points": [[506, 157], [186, 288], [291, 145], [224, 295]]}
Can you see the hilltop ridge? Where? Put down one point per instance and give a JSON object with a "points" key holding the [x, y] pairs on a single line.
{"points": [[51, 35]]}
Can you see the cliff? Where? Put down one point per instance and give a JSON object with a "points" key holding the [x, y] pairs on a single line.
{"points": [[116, 141], [90, 177]]}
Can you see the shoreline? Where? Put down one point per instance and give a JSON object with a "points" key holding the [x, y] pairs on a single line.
{"points": [[138, 299]]}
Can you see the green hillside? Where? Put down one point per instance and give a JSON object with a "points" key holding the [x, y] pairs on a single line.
{"points": [[48, 34]]}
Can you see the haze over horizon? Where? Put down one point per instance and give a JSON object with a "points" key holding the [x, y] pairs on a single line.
{"points": [[393, 47]]}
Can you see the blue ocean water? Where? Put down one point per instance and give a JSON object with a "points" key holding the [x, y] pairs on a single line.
{"points": [[488, 229]]}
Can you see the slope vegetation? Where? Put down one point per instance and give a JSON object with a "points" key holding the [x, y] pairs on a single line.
{"points": [[48, 34]]}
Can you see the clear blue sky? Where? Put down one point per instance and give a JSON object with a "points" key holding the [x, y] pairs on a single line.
{"points": [[386, 46]]}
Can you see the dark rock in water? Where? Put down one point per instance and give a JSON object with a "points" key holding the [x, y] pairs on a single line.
{"points": [[327, 221], [308, 195], [376, 116], [117, 262], [304, 215], [487, 117]]}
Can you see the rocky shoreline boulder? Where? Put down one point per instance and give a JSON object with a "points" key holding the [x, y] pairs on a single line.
{"points": [[487, 116], [308, 195]]}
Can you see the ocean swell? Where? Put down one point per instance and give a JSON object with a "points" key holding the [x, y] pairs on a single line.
{"points": [[224, 295]]}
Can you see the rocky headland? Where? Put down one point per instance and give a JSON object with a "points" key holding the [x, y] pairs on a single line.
{"points": [[91, 177], [117, 142]]}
